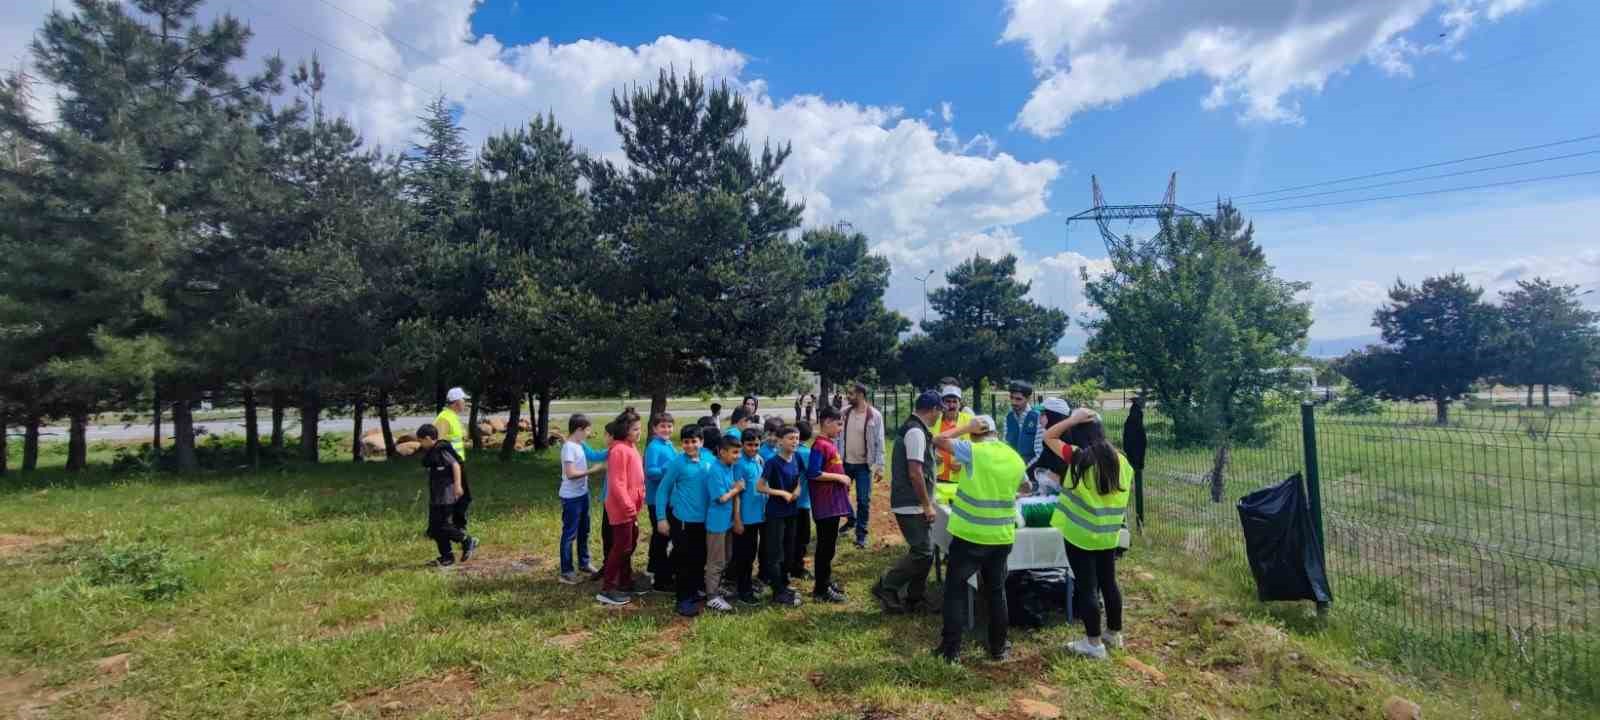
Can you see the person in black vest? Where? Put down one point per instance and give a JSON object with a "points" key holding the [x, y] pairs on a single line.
{"points": [[911, 495]]}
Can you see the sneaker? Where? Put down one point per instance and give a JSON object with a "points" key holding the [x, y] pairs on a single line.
{"points": [[688, 608], [847, 526], [568, 578], [719, 604], [442, 562], [589, 569], [787, 598], [861, 543], [597, 575], [749, 598], [888, 600], [1084, 648], [663, 588], [1112, 640], [468, 547], [613, 599], [1004, 655], [829, 595]]}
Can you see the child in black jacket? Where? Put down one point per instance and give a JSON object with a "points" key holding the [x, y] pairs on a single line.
{"points": [[444, 489]]}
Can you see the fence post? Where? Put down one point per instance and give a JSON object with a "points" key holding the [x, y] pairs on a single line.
{"points": [[1308, 433]]}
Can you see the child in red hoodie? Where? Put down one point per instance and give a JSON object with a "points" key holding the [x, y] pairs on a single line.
{"points": [[624, 498]]}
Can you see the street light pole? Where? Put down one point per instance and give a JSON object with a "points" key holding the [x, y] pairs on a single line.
{"points": [[924, 280]]}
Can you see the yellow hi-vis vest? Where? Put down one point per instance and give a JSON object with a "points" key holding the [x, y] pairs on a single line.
{"points": [[1087, 519], [450, 428], [984, 511]]}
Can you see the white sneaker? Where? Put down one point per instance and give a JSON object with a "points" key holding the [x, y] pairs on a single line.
{"points": [[1084, 648], [1112, 640], [568, 579], [719, 604]]}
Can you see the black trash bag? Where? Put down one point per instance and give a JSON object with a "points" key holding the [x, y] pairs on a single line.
{"points": [[1034, 596], [1285, 556]]}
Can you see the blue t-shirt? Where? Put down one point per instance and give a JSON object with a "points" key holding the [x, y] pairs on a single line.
{"points": [[658, 456], [767, 451], [719, 480], [804, 453], [752, 505], [786, 476], [734, 432], [595, 456], [684, 485]]}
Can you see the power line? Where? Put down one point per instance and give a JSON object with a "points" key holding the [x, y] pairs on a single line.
{"points": [[1443, 163], [464, 76], [1442, 191], [1424, 179]]}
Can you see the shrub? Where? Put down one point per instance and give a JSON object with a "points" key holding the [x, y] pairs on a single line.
{"points": [[1084, 394], [1356, 402], [148, 568]]}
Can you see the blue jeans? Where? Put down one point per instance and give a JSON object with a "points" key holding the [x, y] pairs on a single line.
{"points": [[574, 527], [862, 475]]}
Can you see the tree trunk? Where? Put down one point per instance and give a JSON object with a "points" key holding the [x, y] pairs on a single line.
{"points": [[658, 401], [30, 445], [509, 444], [77, 448], [155, 441], [278, 401], [472, 428], [383, 422], [310, 413], [252, 434], [438, 396], [1547, 395], [5, 446], [356, 418], [183, 430], [824, 390], [1219, 469], [1441, 412], [1530, 396], [543, 424]]}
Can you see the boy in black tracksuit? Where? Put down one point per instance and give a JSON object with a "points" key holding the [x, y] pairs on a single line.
{"points": [[444, 489]]}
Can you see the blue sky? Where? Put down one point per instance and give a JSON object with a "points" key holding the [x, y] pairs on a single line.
{"points": [[947, 128]]}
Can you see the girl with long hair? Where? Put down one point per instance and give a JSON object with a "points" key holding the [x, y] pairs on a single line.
{"points": [[1089, 514]]}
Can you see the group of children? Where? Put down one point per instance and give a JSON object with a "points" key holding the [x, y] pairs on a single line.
{"points": [[730, 511]]}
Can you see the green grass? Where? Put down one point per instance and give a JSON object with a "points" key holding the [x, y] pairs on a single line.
{"points": [[300, 592]]}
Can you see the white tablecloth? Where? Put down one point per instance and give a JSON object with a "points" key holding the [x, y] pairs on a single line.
{"points": [[1034, 548]]}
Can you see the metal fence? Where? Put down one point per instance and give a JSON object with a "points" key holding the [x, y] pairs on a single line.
{"points": [[1471, 547]]}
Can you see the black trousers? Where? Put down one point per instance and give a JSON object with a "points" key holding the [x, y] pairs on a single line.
{"points": [[688, 559], [1095, 570], [827, 543], [988, 562], [777, 534], [658, 564], [745, 548], [458, 512], [794, 558], [443, 529]]}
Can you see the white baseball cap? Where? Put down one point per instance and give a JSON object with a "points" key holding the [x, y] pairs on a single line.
{"points": [[456, 394], [950, 391], [1057, 406], [985, 423]]}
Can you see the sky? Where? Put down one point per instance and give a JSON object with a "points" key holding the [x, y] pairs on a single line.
{"points": [[945, 129]]}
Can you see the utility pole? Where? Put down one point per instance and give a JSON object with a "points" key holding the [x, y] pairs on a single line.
{"points": [[924, 280]]}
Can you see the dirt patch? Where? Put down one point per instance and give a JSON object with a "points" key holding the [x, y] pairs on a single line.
{"points": [[493, 566], [12, 545], [453, 690], [552, 700], [375, 621]]}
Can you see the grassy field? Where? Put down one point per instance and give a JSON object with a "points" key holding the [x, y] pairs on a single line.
{"points": [[1472, 548], [301, 592]]}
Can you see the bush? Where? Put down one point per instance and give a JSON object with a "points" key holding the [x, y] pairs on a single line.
{"points": [[1085, 394], [148, 568], [1356, 402]]}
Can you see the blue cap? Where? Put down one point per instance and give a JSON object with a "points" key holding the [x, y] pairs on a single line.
{"points": [[928, 400]]}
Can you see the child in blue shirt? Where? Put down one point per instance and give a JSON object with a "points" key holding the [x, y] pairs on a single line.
{"points": [[752, 517], [683, 490], [723, 486], [795, 553], [782, 480], [658, 456]]}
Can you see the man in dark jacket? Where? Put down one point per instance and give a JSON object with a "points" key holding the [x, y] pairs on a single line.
{"points": [[903, 586]]}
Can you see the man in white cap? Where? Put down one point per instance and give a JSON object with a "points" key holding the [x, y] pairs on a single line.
{"points": [[982, 528], [952, 417], [451, 428]]}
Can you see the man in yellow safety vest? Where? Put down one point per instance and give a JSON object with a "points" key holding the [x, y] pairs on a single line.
{"points": [[982, 528], [452, 429]]}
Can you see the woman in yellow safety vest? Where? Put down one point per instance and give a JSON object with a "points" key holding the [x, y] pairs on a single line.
{"points": [[1089, 513]]}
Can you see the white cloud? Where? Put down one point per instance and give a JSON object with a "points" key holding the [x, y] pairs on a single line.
{"points": [[1092, 54], [912, 188], [947, 111]]}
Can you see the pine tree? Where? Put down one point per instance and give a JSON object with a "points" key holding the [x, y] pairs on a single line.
{"points": [[1551, 339], [858, 334]]}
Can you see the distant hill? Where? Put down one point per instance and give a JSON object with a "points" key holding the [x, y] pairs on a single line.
{"points": [[1334, 347]]}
